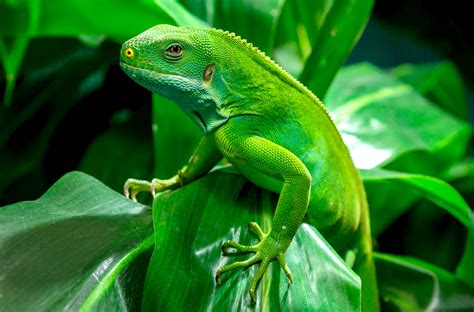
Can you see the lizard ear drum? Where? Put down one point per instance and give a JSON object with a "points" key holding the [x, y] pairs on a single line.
{"points": [[208, 72]]}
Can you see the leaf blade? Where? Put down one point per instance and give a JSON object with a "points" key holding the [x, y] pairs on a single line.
{"points": [[433, 189], [220, 213], [338, 34], [382, 119], [68, 248]]}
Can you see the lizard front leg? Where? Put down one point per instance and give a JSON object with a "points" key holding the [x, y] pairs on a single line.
{"points": [[204, 158], [242, 147]]}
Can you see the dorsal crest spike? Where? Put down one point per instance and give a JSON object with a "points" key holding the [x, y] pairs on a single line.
{"points": [[271, 63]]}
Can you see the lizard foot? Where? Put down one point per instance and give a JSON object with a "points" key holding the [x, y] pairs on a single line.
{"points": [[265, 251], [133, 186]]}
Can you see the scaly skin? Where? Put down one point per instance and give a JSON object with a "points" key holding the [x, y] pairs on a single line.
{"points": [[270, 127]]}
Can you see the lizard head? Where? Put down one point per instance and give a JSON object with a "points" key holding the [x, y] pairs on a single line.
{"points": [[176, 62]]}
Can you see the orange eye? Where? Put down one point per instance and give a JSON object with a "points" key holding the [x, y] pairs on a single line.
{"points": [[129, 53]]}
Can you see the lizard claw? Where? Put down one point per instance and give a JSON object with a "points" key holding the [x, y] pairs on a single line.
{"points": [[265, 251], [132, 187]]}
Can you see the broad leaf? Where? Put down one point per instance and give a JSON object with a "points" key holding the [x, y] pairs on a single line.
{"points": [[385, 122], [430, 188], [192, 223], [382, 119], [77, 247], [407, 284]]}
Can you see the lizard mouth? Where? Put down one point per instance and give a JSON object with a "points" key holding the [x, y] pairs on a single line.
{"points": [[134, 69]]}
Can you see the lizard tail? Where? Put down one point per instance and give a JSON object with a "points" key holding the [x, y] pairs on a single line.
{"points": [[364, 265]]}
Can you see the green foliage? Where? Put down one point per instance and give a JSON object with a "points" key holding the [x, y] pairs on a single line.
{"points": [[78, 246], [362, 102], [431, 288], [435, 190], [84, 246], [190, 250], [439, 82]]}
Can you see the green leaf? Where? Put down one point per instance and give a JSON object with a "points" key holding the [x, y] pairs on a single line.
{"points": [[119, 19], [382, 119], [192, 223], [77, 247], [407, 284], [338, 34], [385, 122], [440, 82], [435, 190], [465, 269], [298, 28], [241, 17]]}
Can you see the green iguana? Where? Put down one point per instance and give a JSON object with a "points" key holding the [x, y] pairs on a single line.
{"points": [[271, 128]]}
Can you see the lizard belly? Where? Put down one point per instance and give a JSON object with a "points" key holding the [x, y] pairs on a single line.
{"points": [[260, 179]]}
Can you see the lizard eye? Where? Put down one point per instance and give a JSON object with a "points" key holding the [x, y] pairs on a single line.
{"points": [[129, 53], [175, 49], [174, 52]]}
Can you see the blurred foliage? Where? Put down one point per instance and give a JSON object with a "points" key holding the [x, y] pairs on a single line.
{"points": [[82, 246]]}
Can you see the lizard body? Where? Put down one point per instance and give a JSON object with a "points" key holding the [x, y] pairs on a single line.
{"points": [[270, 127]]}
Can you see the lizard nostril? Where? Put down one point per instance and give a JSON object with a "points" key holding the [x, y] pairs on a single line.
{"points": [[129, 53]]}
